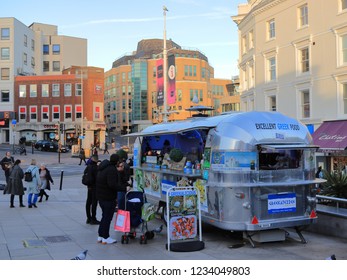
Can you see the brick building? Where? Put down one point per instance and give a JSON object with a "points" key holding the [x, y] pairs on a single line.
{"points": [[73, 101]]}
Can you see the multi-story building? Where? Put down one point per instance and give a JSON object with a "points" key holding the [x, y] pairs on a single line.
{"points": [[72, 103], [293, 61], [31, 50], [132, 86]]}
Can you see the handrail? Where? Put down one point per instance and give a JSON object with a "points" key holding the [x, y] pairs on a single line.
{"points": [[334, 199]]}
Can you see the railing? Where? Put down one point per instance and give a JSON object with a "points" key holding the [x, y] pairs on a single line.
{"points": [[337, 210]]}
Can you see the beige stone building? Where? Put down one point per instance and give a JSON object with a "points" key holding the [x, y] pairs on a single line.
{"points": [[293, 58]]}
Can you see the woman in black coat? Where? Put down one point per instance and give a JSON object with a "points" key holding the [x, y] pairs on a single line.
{"points": [[15, 184], [46, 179]]}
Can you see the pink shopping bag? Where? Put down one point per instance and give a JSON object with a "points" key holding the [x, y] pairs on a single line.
{"points": [[122, 222]]}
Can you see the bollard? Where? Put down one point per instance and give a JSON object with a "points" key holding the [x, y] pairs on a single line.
{"points": [[61, 179]]}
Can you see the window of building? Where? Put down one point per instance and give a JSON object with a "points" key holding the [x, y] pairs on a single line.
{"points": [[344, 96], [272, 69], [271, 29], [45, 66], [5, 96], [303, 15], [272, 103], [5, 73], [68, 112], [179, 94], [344, 49], [56, 49], [45, 113], [154, 72], [78, 89], [25, 59], [5, 33], [244, 44], [32, 44], [78, 111], [45, 49], [67, 89], [123, 77], [304, 60], [22, 113], [56, 66], [55, 90], [343, 4], [250, 40], [25, 40], [33, 90], [97, 113], [45, 90], [123, 90], [22, 91], [305, 103], [33, 113], [123, 104], [32, 62], [5, 53], [56, 112]]}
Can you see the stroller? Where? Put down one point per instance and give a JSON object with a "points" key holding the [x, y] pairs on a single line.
{"points": [[141, 212]]}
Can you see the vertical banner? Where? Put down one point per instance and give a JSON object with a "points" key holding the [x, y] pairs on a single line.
{"points": [[171, 92], [160, 83]]}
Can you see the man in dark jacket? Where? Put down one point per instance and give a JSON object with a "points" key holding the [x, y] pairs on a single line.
{"points": [[107, 186], [92, 201]]}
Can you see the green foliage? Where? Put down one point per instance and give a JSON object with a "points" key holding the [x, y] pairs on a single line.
{"points": [[336, 184], [176, 155], [122, 154]]}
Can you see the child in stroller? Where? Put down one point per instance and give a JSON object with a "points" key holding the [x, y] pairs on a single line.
{"points": [[141, 212]]}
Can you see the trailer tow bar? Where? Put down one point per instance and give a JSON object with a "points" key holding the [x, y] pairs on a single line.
{"points": [[298, 231]]}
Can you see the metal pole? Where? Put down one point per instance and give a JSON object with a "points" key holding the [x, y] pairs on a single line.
{"points": [[165, 115], [61, 179]]}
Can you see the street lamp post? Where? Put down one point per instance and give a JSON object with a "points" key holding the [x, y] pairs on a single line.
{"points": [[165, 113]]}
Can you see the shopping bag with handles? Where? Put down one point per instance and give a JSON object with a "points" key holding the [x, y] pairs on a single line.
{"points": [[122, 222]]}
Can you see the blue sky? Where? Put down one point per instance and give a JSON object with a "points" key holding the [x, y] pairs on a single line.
{"points": [[113, 28]]}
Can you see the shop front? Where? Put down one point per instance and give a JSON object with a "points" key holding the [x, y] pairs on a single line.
{"points": [[331, 137]]}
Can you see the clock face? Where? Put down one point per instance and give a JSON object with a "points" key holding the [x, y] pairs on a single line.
{"points": [[172, 72]]}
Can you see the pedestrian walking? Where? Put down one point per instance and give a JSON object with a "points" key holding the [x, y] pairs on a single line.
{"points": [[6, 165], [34, 186], [82, 156], [107, 186], [92, 202], [106, 148], [15, 184], [46, 180]]}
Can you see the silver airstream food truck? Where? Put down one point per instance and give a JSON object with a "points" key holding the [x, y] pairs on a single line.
{"points": [[255, 171]]}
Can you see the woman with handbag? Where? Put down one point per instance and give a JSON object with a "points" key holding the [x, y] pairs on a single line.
{"points": [[46, 179], [15, 184], [34, 186]]}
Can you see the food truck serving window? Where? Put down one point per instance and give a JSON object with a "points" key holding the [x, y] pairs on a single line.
{"points": [[281, 156]]}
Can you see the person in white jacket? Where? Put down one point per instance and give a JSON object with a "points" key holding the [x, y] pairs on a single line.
{"points": [[34, 186]]}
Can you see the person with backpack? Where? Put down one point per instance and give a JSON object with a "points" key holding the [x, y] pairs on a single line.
{"points": [[33, 184], [91, 203]]}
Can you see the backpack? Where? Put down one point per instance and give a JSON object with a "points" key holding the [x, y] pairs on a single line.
{"points": [[86, 177], [28, 176]]}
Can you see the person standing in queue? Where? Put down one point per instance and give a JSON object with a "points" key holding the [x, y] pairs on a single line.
{"points": [[92, 202], [107, 186], [15, 184]]}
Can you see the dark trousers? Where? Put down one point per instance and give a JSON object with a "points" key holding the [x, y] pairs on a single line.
{"points": [[108, 208], [91, 204], [20, 200]]}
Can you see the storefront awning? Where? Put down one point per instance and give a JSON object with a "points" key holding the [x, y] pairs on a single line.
{"points": [[331, 135]]}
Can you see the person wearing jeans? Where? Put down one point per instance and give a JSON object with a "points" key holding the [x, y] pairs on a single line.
{"points": [[34, 186]]}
